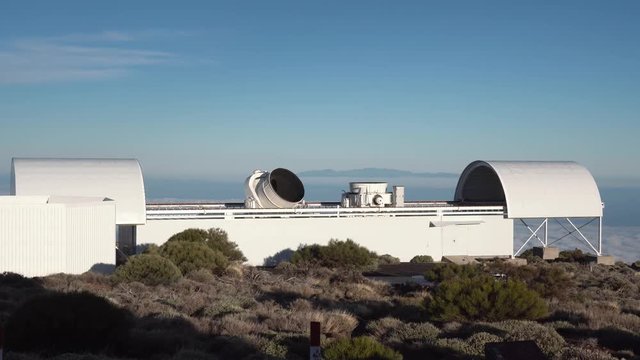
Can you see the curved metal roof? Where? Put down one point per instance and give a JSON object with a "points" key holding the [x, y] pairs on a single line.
{"points": [[117, 179], [532, 189]]}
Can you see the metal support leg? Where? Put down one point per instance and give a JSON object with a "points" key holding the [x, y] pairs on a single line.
{"points": [[533, 234], [598, 252], [600, 234]]}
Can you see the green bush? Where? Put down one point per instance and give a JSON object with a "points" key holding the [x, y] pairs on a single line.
{"points": [[578, 353], [481, 297], [551, 281], [148, 269], [477, 342], [530, 256], [218, 239], [362, 347], [191, 235], [337, 254], [190, 256], [62, 323], [548, 340], [214, 238], [445, 271], [574, 256], [421, 259], [394, 331], [387, 259]]}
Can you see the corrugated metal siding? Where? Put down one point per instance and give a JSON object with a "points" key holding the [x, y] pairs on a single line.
{"points": [[42, 239], [32, 239], [90, 237]]}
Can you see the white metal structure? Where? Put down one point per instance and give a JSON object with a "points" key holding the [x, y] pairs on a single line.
{"points": [[536, 190], [116, 179], [69, 228], [425, 228], [42, 235], [277, 189], [367, 194]]}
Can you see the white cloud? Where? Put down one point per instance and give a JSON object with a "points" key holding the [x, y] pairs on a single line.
{"points": [[618, 241], [77, 57]]}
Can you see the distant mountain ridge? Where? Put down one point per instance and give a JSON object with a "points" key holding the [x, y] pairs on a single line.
{"points": [[375, 172]]}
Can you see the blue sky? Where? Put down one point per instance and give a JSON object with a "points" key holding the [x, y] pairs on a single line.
{"points": [[212, 90]]}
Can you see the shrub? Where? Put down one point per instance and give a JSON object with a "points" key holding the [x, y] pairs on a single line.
{"points": [[362, 347], [455, 345], [191, 235], [71, 322], [549, 280], [202, 276], [444, 271], [282, 256], [148, 269], [190, 256], [421, 259], [478, 340], [574, 256], [393, 331], [547, 339], [529, 256], [337, 254], [214, 238], [388, 259], [481, 297], [218, 239], [576, 353]]}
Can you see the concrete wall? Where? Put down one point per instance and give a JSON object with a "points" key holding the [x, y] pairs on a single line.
{"points": [[39, 238], [403, 237]]}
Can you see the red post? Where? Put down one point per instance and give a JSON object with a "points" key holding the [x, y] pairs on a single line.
{"points": [[314, 342]]}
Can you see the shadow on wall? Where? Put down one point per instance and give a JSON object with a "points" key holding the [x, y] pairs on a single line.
{"points": [[101, 268], [277, 258]]}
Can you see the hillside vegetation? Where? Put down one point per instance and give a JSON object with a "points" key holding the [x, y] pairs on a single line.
{"points": [[203, 307]]}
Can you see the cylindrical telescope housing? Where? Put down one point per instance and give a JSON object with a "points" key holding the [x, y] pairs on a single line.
{"points": [[279, 189]]}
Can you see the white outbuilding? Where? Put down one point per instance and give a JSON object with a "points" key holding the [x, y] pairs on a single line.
{"points": [[535, 190], [119, 180], [42, 235]]}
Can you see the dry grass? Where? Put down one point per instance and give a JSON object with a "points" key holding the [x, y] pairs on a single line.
{"points": [[257, 314]]}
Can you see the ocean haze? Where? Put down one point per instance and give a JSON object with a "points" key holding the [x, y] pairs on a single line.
{"points": [[375, 172], [620, 202]]}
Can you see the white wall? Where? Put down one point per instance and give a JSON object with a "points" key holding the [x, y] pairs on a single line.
{"points": [[39, 238], [403, 237]]}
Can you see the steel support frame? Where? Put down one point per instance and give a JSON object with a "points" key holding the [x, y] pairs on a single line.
{"points": [[545, 240]]}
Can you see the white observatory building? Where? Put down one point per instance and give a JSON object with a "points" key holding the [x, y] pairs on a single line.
{"points": [[68, 215]]}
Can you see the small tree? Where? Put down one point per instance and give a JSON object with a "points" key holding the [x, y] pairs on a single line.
{"points": [[574, 256], [191, 235], [214, 238], [337, 254], [388, 259], [149, 270], [445, 271], [190, 256], [421, 259], [218, 239], [362, 347], [481, 297]]}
